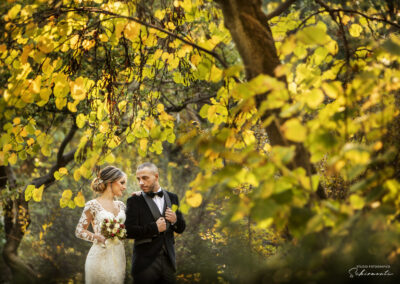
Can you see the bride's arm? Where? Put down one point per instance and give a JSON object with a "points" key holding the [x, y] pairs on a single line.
{"points": [[82, 231]]}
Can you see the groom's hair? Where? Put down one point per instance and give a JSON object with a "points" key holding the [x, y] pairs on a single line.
{"points": [[148, 165]]}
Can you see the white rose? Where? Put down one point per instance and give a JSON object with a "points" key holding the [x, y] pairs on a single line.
{"points": [[108, 230], [117, 225], [114, 230], [108, 224]]}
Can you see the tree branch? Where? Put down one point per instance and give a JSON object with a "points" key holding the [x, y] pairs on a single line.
{"points": [[359, 13], [100, 11], [187, 102], [62, 160], [65, 142], [282, 8]]}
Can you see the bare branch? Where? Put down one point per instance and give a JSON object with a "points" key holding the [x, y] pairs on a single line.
{"points": [[282, 8], [65, 142]]}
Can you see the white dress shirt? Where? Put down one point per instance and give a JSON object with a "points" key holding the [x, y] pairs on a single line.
{"points": [[159, 201]]}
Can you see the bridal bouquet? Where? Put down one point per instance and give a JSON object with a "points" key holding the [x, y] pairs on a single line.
{"points": [[113, 229]]}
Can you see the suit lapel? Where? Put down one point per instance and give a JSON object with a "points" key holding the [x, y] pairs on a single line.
{"points": [[152, 206]]}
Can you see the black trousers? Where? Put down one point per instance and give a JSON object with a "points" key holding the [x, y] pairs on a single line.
{"points": [[160, 271]]}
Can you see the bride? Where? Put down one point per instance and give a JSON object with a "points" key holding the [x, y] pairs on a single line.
{"points": [[105, 262]]}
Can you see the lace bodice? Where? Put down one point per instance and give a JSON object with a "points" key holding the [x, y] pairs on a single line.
{"points": [[94, 214]]}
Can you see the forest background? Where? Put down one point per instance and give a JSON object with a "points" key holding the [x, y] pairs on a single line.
{"points": [[275, 122]]}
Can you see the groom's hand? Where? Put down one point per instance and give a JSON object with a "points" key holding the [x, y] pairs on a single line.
{"points": [[170, 215], [161, 225]]}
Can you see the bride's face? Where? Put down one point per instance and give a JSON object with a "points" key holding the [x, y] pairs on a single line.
{"points": [[119, 186]]}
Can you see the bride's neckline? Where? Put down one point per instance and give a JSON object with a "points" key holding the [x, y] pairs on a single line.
{"points": [[119, 209]]}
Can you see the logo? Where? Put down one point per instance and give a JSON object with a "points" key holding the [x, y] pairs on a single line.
{"points": [[370, 270]]}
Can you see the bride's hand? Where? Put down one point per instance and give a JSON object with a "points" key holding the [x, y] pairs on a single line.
{"points": [[138, 193], [100, 239]]}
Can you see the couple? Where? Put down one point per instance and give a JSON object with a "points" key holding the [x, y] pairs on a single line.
{"points": [[149, 219]]}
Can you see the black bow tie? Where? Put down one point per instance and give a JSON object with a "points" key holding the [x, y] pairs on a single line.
{"points": [[152, 194]]}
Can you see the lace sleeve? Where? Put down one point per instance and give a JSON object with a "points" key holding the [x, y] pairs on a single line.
{"points": [[82, 231], [122, 206]]}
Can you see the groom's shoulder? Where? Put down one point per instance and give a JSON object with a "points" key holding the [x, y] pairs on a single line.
{"points": [[134, 198], [171, 194]]}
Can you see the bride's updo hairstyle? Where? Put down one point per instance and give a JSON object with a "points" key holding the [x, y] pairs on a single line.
{"points": [[107, 175]]}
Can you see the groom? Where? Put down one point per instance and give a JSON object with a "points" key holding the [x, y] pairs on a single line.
{"points": [[151, 221]]}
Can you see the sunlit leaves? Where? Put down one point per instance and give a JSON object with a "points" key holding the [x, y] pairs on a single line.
{"points": [[66, 200], [294, 130], [355, 30], [37, 193], [313, 35], [79, 199], [194, 199]]}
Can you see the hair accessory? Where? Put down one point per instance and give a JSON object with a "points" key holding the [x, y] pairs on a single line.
{"points": [[100, 180]]}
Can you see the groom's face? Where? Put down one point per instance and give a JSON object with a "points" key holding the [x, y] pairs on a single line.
{"points": [[147, 179]]}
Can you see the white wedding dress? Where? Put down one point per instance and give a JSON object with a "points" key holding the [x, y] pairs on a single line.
{"points": [[103, 264]]}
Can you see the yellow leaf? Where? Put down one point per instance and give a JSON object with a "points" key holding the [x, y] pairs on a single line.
{"points": [[88, 44], [332, 89], [171, 25], [35, 85], [12, 159], [63, 202], [103, 128], [37, 193], [193, 199], [45, 95], [355, 30], [74, 41], [61, 86], [143, 144], [131, 31], [195, 59], [78, 91], [79, 199], [61, 103], [294, 130], [103, 37], [72, 106], [67, 194], [80, 120], [357, 202], [13, 12], [77, 175], [110, 158], [28, 192], [215, 74], [159, 14], [314, 98], [63, 171], [71, 204], [45, 45]]}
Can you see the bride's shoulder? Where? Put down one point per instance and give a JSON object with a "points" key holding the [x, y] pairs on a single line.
{"points": [[91, 204], [120, 203]]}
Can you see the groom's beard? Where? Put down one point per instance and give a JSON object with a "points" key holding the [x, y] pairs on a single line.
{"points": [[150, 188]]}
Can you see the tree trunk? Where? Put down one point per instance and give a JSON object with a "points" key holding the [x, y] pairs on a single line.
{"points": [[16, 220], [252, 35]]}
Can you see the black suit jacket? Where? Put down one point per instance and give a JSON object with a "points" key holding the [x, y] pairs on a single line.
{"points": [[141, 226]]}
